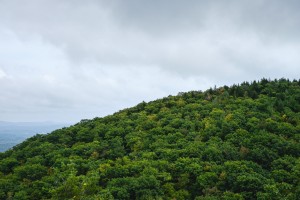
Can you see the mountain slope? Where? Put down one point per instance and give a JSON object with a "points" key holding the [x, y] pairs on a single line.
{"points": [[238, 142]]}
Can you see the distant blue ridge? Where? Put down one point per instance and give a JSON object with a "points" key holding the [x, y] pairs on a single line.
{"points": [[13, 133]]}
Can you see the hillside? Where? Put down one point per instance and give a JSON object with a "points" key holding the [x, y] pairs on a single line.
{"points": [[237, 142]]}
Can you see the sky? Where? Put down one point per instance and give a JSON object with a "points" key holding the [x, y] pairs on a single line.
{"points": [[67, 60]]}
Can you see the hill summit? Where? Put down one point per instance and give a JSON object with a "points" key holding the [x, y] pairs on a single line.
{"points": [[237, 142]]}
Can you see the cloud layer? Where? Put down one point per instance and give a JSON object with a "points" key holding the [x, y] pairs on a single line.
{"points": [[66, 60]]}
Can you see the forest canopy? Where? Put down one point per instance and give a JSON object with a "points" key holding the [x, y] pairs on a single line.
{"points": [[231, 142]]}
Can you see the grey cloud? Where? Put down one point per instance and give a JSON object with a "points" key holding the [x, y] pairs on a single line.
{"points": [[73, 59], [277, 17]]}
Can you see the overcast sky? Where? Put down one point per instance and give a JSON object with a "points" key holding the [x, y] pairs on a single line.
{"points": [[65, 60]]}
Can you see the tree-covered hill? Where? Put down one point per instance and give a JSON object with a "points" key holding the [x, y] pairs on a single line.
{"points": [[238, 142]]}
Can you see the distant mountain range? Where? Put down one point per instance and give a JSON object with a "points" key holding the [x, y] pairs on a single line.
{"points": [[12, 133]]}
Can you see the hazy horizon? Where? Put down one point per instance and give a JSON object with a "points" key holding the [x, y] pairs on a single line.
{"points": [[13, 133]]}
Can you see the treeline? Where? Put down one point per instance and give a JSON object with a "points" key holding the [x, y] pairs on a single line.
{"points": [[238, 142]]}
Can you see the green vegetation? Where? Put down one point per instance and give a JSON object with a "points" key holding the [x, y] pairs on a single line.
{"points": [[238, 142]]}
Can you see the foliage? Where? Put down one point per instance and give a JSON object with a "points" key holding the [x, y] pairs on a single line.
{"points": [[238, 142]]}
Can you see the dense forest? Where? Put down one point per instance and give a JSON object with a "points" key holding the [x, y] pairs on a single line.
{"points": [[237, 142]]}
